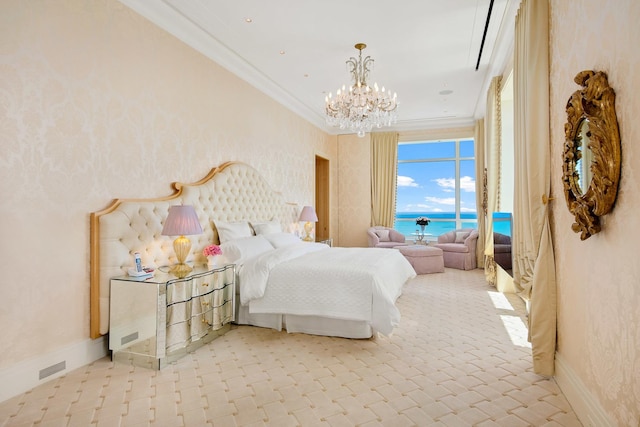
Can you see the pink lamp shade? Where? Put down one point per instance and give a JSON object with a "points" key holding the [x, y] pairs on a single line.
{"points": [[182, 220], [308, 214]]}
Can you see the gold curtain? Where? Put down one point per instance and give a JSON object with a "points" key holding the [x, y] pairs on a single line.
{"points": [[534, 263], [493, 148], [481, 188], [384, 174]]}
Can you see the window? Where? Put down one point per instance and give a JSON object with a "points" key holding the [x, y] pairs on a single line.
{"points": [[436, 179]]}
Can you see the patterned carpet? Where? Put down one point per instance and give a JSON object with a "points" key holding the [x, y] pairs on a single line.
{"points": [[460, 357]]}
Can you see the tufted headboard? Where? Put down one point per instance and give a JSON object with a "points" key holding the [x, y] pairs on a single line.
{"points": [[231, 192]]}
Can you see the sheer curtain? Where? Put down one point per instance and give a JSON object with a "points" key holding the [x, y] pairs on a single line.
{"points": [[534, 263], [384, 173], [492, 144], [481, 188]]}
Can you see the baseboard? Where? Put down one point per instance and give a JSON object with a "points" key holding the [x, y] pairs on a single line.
{"points": [[586, 407], [26, 375]]}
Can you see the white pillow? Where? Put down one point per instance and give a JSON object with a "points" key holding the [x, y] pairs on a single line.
{"points": [[240, 250], [461, 236], [270, 227], [233, 230], [279, 240], [383, 235]]}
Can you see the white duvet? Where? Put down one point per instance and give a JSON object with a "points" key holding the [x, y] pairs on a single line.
{"points": [[314, 279]]}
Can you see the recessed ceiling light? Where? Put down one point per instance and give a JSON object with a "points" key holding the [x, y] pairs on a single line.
{"points": [[248, 20], [282, 52], [446, 92], [306, 75]]}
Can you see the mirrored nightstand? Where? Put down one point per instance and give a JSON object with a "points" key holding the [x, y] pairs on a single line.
{"points": [[328, 241], [154, 321]]}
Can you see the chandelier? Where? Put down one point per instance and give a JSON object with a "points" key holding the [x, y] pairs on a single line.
{"points": [[361, 107]]}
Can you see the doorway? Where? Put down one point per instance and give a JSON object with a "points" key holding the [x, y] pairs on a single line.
{"points": [[323, 207]]}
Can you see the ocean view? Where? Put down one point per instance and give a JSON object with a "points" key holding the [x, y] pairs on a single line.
{"points": [[441, 223]]}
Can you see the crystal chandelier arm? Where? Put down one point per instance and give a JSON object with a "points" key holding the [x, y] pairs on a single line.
{"points": [[362, 107]]}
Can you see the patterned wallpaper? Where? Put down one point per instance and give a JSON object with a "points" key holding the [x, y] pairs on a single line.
{"points": [[599, 279], [354, 189], [98, 103]]}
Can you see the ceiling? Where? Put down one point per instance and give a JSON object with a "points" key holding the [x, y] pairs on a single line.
{"points": [[295, 50]]}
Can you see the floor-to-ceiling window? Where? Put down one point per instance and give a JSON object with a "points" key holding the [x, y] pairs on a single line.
{"points": [[436, 179]]}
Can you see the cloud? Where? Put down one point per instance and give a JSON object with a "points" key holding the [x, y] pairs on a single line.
{"points": [[467, 184], [406, 181], [447, 184], [449, 201], [413, 207]]}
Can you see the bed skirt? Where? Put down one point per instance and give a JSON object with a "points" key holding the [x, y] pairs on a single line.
{"points": [[313, 325]]}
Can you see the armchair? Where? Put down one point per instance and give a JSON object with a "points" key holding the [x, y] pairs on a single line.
{"points": [[459, 248], [383, 237], [502, 250]]}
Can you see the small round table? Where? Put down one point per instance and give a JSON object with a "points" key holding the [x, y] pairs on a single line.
{"points": [[419, 238]]}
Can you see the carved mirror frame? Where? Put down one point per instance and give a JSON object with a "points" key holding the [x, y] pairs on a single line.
{"points": [[591, 125]]}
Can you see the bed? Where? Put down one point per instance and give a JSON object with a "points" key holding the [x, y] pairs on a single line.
{"points": [[283, 283], [312, 288]]}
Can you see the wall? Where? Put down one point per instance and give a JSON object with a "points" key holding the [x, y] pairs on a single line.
{"points": [[98, 103], [598, 280], [354, 189]]}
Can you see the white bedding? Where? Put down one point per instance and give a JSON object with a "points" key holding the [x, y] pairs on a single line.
{"points": [[312, 279]]}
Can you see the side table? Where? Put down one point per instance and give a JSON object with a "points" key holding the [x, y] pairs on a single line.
{"points": [[157, 320], [328, 241]]}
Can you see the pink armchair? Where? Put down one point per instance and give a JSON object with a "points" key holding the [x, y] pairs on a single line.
{"points": [[383, 237], [459, 248]]}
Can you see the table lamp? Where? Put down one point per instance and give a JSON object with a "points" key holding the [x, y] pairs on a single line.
{"points": [[182, 220], [308, 215]]}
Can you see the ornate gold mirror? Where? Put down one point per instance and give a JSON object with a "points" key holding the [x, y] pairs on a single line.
{"points": [[591, 166]]}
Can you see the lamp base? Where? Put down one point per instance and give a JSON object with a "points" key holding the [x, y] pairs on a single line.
{"points": [[308, 229], [182, 247], [180, 270]]}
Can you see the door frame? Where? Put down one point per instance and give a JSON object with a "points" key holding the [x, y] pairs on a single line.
{"points": [[322, 197]]}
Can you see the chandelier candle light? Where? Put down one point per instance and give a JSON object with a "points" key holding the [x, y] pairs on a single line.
{"points": [[361, 107]]}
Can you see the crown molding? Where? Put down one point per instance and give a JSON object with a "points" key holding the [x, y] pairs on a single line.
{"points": [[176, 24], [169, 19]]}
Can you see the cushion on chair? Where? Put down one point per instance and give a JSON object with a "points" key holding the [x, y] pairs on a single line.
{"points": [[383, 235], [461, 236]]}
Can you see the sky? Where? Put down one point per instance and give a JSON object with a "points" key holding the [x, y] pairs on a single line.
{"points": [[429, 187]]}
